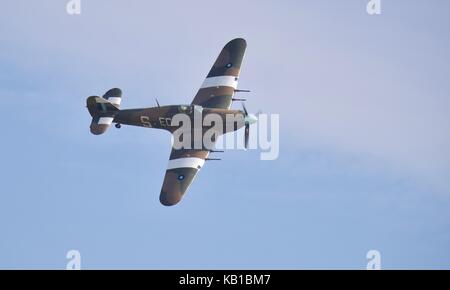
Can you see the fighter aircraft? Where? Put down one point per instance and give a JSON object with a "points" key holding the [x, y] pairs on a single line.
{"points": [[215, 96]]}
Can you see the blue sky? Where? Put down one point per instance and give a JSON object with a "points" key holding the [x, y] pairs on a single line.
{"points": [[364, 157]]}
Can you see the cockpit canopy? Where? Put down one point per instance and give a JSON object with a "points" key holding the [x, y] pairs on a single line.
{"points": [[185, 109]]}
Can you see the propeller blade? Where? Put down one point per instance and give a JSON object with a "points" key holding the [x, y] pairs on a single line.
{"points": [[247, 134], [245, 109]]}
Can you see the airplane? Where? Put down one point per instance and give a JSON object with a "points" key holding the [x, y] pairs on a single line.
{"points": [[215, 96]]}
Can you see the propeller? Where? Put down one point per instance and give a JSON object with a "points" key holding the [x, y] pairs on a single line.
{"points": [[245, 110], [248, 119], [247, 134]]}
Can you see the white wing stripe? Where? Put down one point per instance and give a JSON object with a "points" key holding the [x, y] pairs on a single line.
{"points": [[105, 120], [221, 81], [192, 162], [115, 100]]}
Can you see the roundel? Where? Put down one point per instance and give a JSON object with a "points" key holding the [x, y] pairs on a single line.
{"points": [[229, 65], [180, 177]]}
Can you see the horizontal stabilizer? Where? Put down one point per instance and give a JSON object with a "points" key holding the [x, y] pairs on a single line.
{"points": [[102, 112], [114, 96]]}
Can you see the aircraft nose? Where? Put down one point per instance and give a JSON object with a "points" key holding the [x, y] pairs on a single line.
{"points": [[250, 119]]}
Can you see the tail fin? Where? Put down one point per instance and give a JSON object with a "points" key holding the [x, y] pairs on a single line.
{"points": [[102, 112]]}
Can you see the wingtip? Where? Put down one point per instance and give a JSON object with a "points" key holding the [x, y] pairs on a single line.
{"points": [[169, 199], [238, 41]]}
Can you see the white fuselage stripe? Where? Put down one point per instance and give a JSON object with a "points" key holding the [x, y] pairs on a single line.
{"points": [[105, 120], [188, 162], [222, 81], [115, 100]]}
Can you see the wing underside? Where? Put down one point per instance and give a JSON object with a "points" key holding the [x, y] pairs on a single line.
{"points": [[218, 88], [183, 166], [216, 91]]}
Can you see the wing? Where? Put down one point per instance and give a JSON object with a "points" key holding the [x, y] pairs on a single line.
{"points": [[218, 88], [184, 164]]}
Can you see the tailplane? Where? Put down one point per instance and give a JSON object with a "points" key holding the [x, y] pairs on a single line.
{"points": [[103, 110]]}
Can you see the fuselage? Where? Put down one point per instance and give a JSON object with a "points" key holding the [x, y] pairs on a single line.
{"points": [[168, 118]]}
